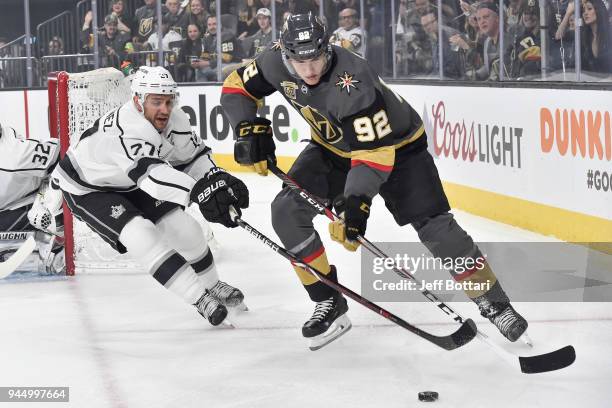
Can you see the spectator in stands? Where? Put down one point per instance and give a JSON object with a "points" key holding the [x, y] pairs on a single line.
{"points": [[176, 17], [169, 36], [111, 42], [305, 6], [512, 13], [523, 57], [144, 19], [596, 44], [191, 51], [451, 66], [125, 22], [413, 48], [55, 46], [196, 14], [247, 18], [171, 44], [350, 35], [262, 38], [231, 51], [471, 43], [488, 22]]}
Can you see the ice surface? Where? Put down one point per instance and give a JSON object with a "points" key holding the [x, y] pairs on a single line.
{"points": [[120, 340]]}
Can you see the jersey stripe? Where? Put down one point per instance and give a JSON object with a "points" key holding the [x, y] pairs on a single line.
{"points": [[163, 183], [142, 166]]}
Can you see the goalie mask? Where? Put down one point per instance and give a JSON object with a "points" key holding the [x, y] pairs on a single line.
{"points": [[154, 80]]}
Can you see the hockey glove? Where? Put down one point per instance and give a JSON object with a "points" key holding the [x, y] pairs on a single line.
{"points": [[216, 192], [254, 143], [354, 212]]}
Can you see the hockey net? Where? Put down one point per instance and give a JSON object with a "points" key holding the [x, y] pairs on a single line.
{"points": [[76, 100]]}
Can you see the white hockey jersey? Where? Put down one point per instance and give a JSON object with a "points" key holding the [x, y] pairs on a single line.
{"points": [[353, 40], [24, 164], [123, 151]]}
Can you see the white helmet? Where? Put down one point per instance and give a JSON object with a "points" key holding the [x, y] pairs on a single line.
{"points": [[153, 80]]}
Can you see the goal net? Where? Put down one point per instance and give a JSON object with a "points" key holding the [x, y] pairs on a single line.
{"points": [[75, 102]]}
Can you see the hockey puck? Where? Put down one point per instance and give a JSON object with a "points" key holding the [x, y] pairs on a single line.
{"points": [[428, 396]]}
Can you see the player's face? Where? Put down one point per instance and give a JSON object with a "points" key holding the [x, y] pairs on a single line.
{"points": [[310, 71], [157, 109]]}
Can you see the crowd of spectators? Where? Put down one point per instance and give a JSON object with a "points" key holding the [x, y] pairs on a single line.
{"points": [[465, 45], [471, 36]]}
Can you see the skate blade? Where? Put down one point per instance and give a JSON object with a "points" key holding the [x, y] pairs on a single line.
{"points": [[340, 326], [227, 324], [526, 339], [242, 307]]}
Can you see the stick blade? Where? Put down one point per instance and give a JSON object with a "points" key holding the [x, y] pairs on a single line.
{"points": [[464, 335], [10, 265], [555, 360]]}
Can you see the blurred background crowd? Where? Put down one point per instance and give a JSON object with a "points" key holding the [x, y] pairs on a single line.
{"points": [[509, 40]]}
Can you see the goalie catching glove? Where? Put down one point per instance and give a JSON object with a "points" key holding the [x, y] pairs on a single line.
{"points": [[354, 212], [216, 192], [254, 143]]}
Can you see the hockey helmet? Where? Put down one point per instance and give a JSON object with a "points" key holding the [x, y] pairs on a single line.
{"points": [[153, 80], [303, 37]]}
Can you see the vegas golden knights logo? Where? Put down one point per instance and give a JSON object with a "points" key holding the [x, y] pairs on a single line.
{"points": [[319, 123], [289, 88], [145, 27]]}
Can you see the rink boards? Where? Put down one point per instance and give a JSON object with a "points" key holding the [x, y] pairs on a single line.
{"points": [[539, 159]]}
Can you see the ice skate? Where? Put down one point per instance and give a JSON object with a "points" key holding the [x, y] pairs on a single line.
{"points": [[228, 296], [328, 322], [209, 307], [507, 320]]}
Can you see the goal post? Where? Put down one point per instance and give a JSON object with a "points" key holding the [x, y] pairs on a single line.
{"points": [[76, 101]]}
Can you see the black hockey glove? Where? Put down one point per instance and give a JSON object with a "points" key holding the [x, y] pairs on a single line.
{"points": [[254, 143], [215, 192], [354, 212]]}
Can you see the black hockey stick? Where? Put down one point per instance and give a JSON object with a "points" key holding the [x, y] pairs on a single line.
{"points": [[554, 360], [462, 336]]}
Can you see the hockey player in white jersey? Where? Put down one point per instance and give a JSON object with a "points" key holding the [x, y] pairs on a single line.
{"points": [[26, 203], [130, 177]]}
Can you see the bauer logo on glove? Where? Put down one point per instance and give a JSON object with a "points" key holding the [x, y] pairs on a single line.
{"points": [[216, 192]]}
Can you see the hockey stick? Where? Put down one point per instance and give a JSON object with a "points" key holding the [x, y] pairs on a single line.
{"points": [[7, 267], [554, 360], [461, 336]]}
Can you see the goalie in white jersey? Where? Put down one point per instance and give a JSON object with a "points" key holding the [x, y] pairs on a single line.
{"points": [[27, 205], [130, 177]]}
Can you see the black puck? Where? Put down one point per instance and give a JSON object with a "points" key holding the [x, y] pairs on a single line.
{"points": [[428, 396]]}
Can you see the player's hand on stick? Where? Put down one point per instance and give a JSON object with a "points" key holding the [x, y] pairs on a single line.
{"points": [[354, 212], [216, 192], [254, 144]]}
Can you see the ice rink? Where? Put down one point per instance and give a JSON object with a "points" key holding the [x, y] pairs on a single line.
{"points": [[119, 339]]}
